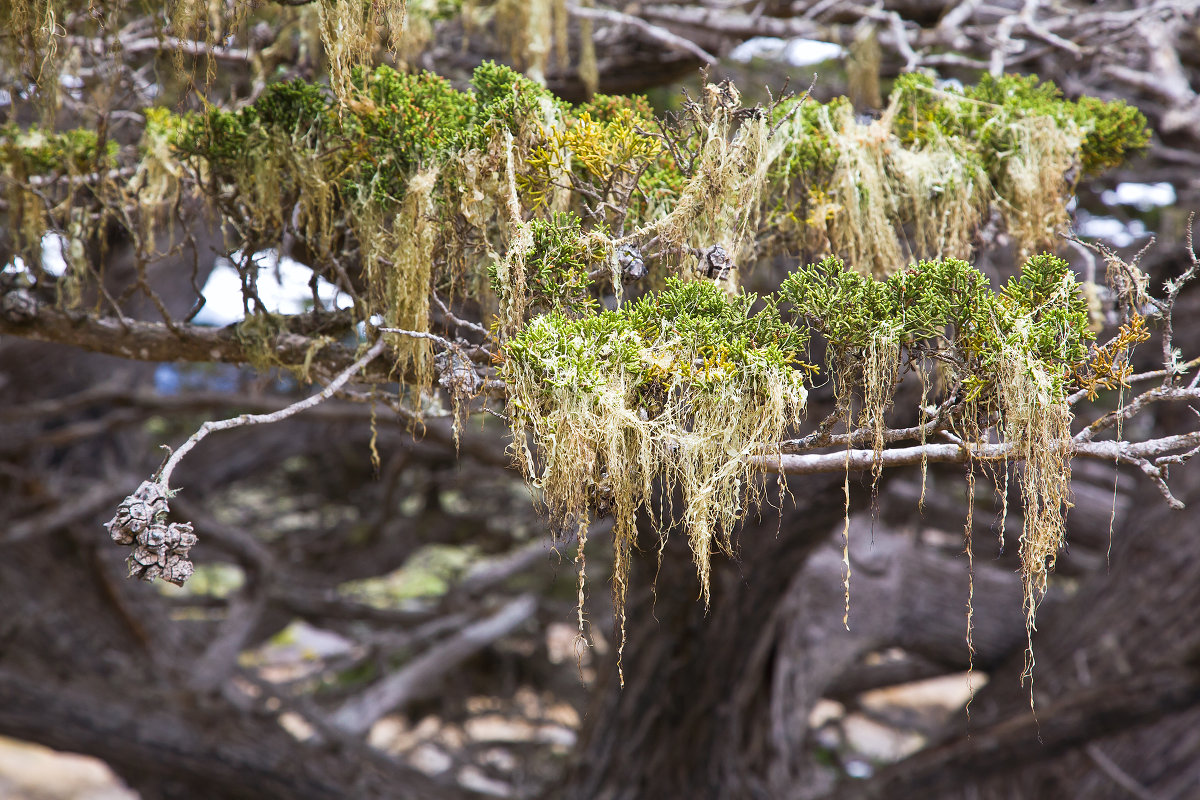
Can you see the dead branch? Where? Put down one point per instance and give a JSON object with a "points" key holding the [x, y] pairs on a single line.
{"points": [[422, 674]]}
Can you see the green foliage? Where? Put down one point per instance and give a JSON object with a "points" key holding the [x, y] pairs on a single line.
{"points": [[294, 107], [1111, 129], [949, 306], [402, 121], [508, 101], [36, 151], [557, 265], [693, 334], [618, 108], [1047, 294]]}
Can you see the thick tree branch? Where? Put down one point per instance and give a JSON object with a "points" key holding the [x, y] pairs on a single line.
{"points": [[655, 32], [230, 755], [23, 314]]}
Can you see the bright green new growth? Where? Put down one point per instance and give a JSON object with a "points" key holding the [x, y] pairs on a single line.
{"points": [[557, 265]]}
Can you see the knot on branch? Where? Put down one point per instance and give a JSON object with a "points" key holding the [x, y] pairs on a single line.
{"points": [[19, 305], [159, 549]]}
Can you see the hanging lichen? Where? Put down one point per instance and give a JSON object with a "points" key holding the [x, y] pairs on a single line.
{"points": [[916, 182], [721, 203], [397, 183], [33, 46], [350, 30], [398, 264], [673, 391], [527, 25], [1011, 357]]}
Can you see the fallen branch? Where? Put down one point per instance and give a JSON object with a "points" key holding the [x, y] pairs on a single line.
{"points": [[653, 31], [422, 674]]}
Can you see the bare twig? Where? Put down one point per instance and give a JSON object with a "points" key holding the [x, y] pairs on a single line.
{"points": [[164, 474]]}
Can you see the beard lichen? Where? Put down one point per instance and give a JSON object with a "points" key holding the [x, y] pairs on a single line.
{"points": [[721, 202], [916, 182], [1011, 358], [397, 182], [673, 393]]}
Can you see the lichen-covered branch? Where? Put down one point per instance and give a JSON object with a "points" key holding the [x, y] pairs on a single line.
{"points": [[23, 313]]}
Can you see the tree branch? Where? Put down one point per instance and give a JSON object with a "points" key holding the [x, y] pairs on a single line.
{"points": [[164, 474], [652, 31], [1024, 740], [23, 314], [858, 460]]}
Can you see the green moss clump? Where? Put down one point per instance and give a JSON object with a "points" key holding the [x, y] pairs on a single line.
{"points": [[1111, 129], [1008, 360], [948, 306]]}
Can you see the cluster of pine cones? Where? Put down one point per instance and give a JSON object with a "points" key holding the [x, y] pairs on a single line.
{"points": [[160, 549]]}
